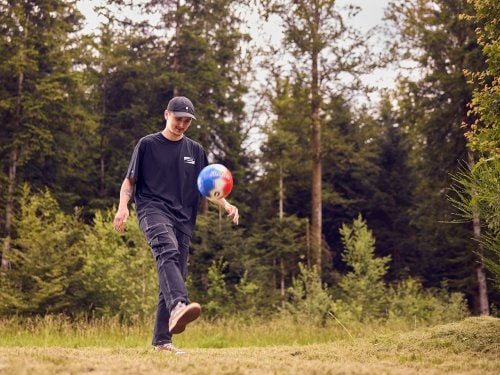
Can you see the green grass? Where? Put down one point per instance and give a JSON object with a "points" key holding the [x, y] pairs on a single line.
{"points": [[56, 345], [109, 332]]}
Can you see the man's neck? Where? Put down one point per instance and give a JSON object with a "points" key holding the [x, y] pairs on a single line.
{"points": [[170, 136]]}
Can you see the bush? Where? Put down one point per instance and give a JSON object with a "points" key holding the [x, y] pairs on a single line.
{"points": [[119, 274], [46, 264], [363, 291], [218, 294], [308, 299], [409, 302]]}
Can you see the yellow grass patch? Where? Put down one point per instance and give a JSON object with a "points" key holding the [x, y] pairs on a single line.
{"points": [[468, 347]]}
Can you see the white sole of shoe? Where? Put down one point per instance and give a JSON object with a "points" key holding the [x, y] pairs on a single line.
{"points": [[190, 313]]}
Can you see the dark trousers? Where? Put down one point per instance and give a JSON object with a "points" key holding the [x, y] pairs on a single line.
{"points": [[170, 248]]}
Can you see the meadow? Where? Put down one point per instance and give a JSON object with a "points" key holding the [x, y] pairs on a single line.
{"points": [[56, 345]]}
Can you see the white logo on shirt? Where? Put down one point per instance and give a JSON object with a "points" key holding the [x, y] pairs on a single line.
{"points": [[188, 160]]}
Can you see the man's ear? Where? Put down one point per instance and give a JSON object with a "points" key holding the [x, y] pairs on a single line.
{"points": [[165, 114]]}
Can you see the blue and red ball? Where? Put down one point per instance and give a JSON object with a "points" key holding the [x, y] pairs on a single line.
{"points": [[215, 181]]}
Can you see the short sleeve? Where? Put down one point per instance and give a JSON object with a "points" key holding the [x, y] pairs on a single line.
{"points": [[133, 167]]}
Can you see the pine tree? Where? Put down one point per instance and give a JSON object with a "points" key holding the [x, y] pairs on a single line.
{"points": [[484, 137], [389, 208], [46, 265], [434, 107], [118, 274], [40, 96], [314, 32], [364, 291], [122, 68]]}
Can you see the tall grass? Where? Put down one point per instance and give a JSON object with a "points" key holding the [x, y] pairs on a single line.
{"points": [[58, 330]]}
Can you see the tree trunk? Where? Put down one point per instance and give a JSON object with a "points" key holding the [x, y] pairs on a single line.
{"points": [[102, 185], [316, 219], [282, 283], [484, 309], [13, 161], [281, 192], [9, 210], [308, 244], [282, 261], [175, 62], [482, 292]]}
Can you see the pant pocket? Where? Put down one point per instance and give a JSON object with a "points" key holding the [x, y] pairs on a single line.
{"points": [[156, 233]]}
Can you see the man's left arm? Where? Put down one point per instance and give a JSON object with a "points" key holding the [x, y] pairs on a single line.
{"points": [[232, 211]]}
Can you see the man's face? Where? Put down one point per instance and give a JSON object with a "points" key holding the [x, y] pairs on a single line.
{"points": [[177, 125]]}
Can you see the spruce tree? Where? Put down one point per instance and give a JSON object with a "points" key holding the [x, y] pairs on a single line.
{"points": [[363, 287], [46, 269], [322, 48], [433, 108], [40, 98]]}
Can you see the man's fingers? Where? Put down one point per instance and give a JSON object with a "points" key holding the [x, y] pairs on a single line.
{"points": [[119, 223], [233, 213]]}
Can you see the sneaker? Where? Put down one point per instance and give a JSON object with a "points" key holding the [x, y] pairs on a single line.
{"points": [[181, 315], [168, 347]]}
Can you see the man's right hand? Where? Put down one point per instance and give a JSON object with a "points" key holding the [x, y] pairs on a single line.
{"points": [[120, 219], [126, 191]]}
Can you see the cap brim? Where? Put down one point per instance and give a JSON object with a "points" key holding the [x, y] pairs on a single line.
{"points": [[184, 114]]}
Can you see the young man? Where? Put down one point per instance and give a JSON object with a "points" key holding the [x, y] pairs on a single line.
{"points": [[163, 170]]}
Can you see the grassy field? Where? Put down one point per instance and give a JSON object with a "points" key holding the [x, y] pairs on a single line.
{"points": [[56, 346]]}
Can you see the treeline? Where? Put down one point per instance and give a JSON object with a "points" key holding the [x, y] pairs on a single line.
{"points": [[422, 169], [65, 266]]}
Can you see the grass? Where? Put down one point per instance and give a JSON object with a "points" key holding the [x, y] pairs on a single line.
{"points": [[56, 345]]}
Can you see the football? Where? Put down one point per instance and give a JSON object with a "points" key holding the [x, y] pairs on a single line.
{"points": [[215, 181]]}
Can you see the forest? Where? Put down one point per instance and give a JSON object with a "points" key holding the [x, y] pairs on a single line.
{"points": [[361, 209]]}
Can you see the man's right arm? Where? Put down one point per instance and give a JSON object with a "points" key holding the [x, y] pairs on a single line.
{"points": [[126, 191]]}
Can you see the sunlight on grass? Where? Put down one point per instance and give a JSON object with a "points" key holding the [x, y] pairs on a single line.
{"points": [[278, 346], [110, 332]]}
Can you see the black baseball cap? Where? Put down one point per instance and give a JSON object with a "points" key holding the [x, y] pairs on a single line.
{"points": [[181, 106]]}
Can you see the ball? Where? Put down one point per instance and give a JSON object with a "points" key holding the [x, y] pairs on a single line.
{"points": [[215, 181]]}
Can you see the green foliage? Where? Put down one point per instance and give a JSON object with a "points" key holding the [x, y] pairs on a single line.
{"points": [[285, 154], [408, 301], [432, 109], [365, 296], [70, 117], [219, 300], [483, 135], [119, 275], [363, 288], [476, 191], [121, 71], [215, 238], [247, 299], [392, 184], [42, 99], [308, 299], [47, 267], [61, 265]]}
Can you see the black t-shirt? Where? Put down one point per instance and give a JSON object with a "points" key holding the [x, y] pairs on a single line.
{"points": [[165, 174]]}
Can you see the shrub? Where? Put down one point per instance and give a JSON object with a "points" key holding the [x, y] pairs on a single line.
{"points": [[409, 302], [218, 294], [363, 289], [46, 264], [308, 299], [119, 274]]}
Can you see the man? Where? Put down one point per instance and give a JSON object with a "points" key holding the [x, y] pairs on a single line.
{"points": [[163, 170]]}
